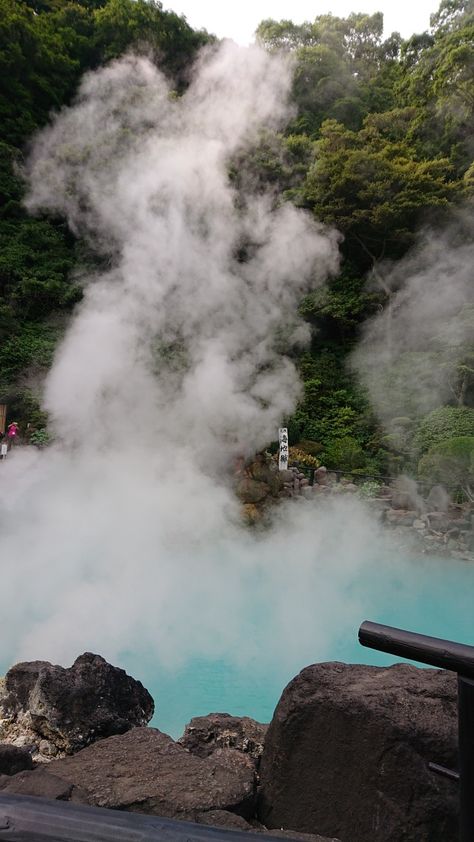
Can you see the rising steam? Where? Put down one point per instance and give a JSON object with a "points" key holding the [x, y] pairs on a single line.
{"points": [[415, 355], [178, 340], [123, 537], [124, 534]]}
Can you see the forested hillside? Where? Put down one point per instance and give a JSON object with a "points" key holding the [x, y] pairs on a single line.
{"points": [[46, 48], [380, 147]]}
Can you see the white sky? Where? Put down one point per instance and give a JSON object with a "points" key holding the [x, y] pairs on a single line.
{"points": [[239, 20]]}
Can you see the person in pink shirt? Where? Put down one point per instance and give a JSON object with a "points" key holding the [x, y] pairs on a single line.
{"points": [[12, 433]]}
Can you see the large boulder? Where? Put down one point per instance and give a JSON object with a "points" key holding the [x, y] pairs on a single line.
{"points": [[14, 759], [204, 734], [305, 837], [250, 490], [258, 483], [222, 818], [56, 710], [347, 754], [145, 771], [42, 783], [264, 469]]}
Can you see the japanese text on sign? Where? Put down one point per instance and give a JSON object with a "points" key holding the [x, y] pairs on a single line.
{"points": [[283, 452]]}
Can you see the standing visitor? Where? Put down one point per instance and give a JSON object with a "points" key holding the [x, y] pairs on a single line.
{"points": [[12, 433]]}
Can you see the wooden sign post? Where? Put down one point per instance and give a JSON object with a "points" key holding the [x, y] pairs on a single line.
{"points": [[283, 452]]}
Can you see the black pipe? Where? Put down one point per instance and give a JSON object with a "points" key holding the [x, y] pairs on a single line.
{"points": [[29, 819], [433, 651], [448, 655]]}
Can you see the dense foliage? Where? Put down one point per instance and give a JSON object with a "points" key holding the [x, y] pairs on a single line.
{"points": [[46, 46], [380, 145], [384, 140]]}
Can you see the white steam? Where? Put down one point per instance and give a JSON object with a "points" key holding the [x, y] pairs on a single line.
{"points": [[418, 353], [145, 176], [123, 536]]}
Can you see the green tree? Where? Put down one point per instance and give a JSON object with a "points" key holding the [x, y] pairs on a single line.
{"points": [[374, 188], [438, 76], [343, 68], [443, 424], [144, 26], [451, 15], [450, 463], [45, 47]]}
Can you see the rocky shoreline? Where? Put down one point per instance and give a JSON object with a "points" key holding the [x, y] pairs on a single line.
{"points": [[345, 756], [430, 524]]}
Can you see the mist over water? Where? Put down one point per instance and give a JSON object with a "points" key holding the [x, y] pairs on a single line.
{"points": [[124, 537]]}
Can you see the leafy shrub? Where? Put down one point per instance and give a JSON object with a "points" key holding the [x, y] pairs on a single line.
{"points": [[40, 438], [302, 458], [344, 454], [450, 463], [369, 489], [312, 448], [443, 424], [32, 348]]}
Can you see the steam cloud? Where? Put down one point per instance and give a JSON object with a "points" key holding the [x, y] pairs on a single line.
{"points": [[411, 355], [144, 175], [123, 537]]}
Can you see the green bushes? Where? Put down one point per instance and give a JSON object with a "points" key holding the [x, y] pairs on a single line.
{"points": [[32, 348], [345, 454], [447, 422], [40, 438], [300, 457], [369, 489], [450, 463]]}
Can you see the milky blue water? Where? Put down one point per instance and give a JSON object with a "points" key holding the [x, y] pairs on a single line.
{"points": [[315, 621], [429, 596]]}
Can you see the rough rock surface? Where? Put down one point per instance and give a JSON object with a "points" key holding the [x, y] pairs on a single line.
{"points": [[14, 759], [222, 818], [204, 734], [55, 711], [305, 837], [418, 522], [42, 783], [347, 754], [147, 772]]}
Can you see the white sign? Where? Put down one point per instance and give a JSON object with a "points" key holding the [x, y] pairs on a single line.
{"points": [[283, 453]]}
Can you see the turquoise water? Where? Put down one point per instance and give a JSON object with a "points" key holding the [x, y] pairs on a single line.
{"points": [[428, 596], [288, 615]]}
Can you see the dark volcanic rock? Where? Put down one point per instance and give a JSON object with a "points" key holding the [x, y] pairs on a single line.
{"points": [[219, 818], [305, 837], [14, 759], [252, 491], [221, 730], [72, 707], [42, 783], [147, 772], [347, 754], [222, 818]]}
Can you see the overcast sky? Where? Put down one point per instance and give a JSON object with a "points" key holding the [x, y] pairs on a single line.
{"points": [[239, 20]]}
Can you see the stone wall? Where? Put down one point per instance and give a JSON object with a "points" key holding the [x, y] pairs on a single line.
{"points": [[426, 524]]}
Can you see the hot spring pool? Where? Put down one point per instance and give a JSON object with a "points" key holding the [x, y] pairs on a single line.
{"points": [[430, 596]]}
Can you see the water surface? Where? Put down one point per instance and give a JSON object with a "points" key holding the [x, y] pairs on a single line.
{"points": [[430, 596]]}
